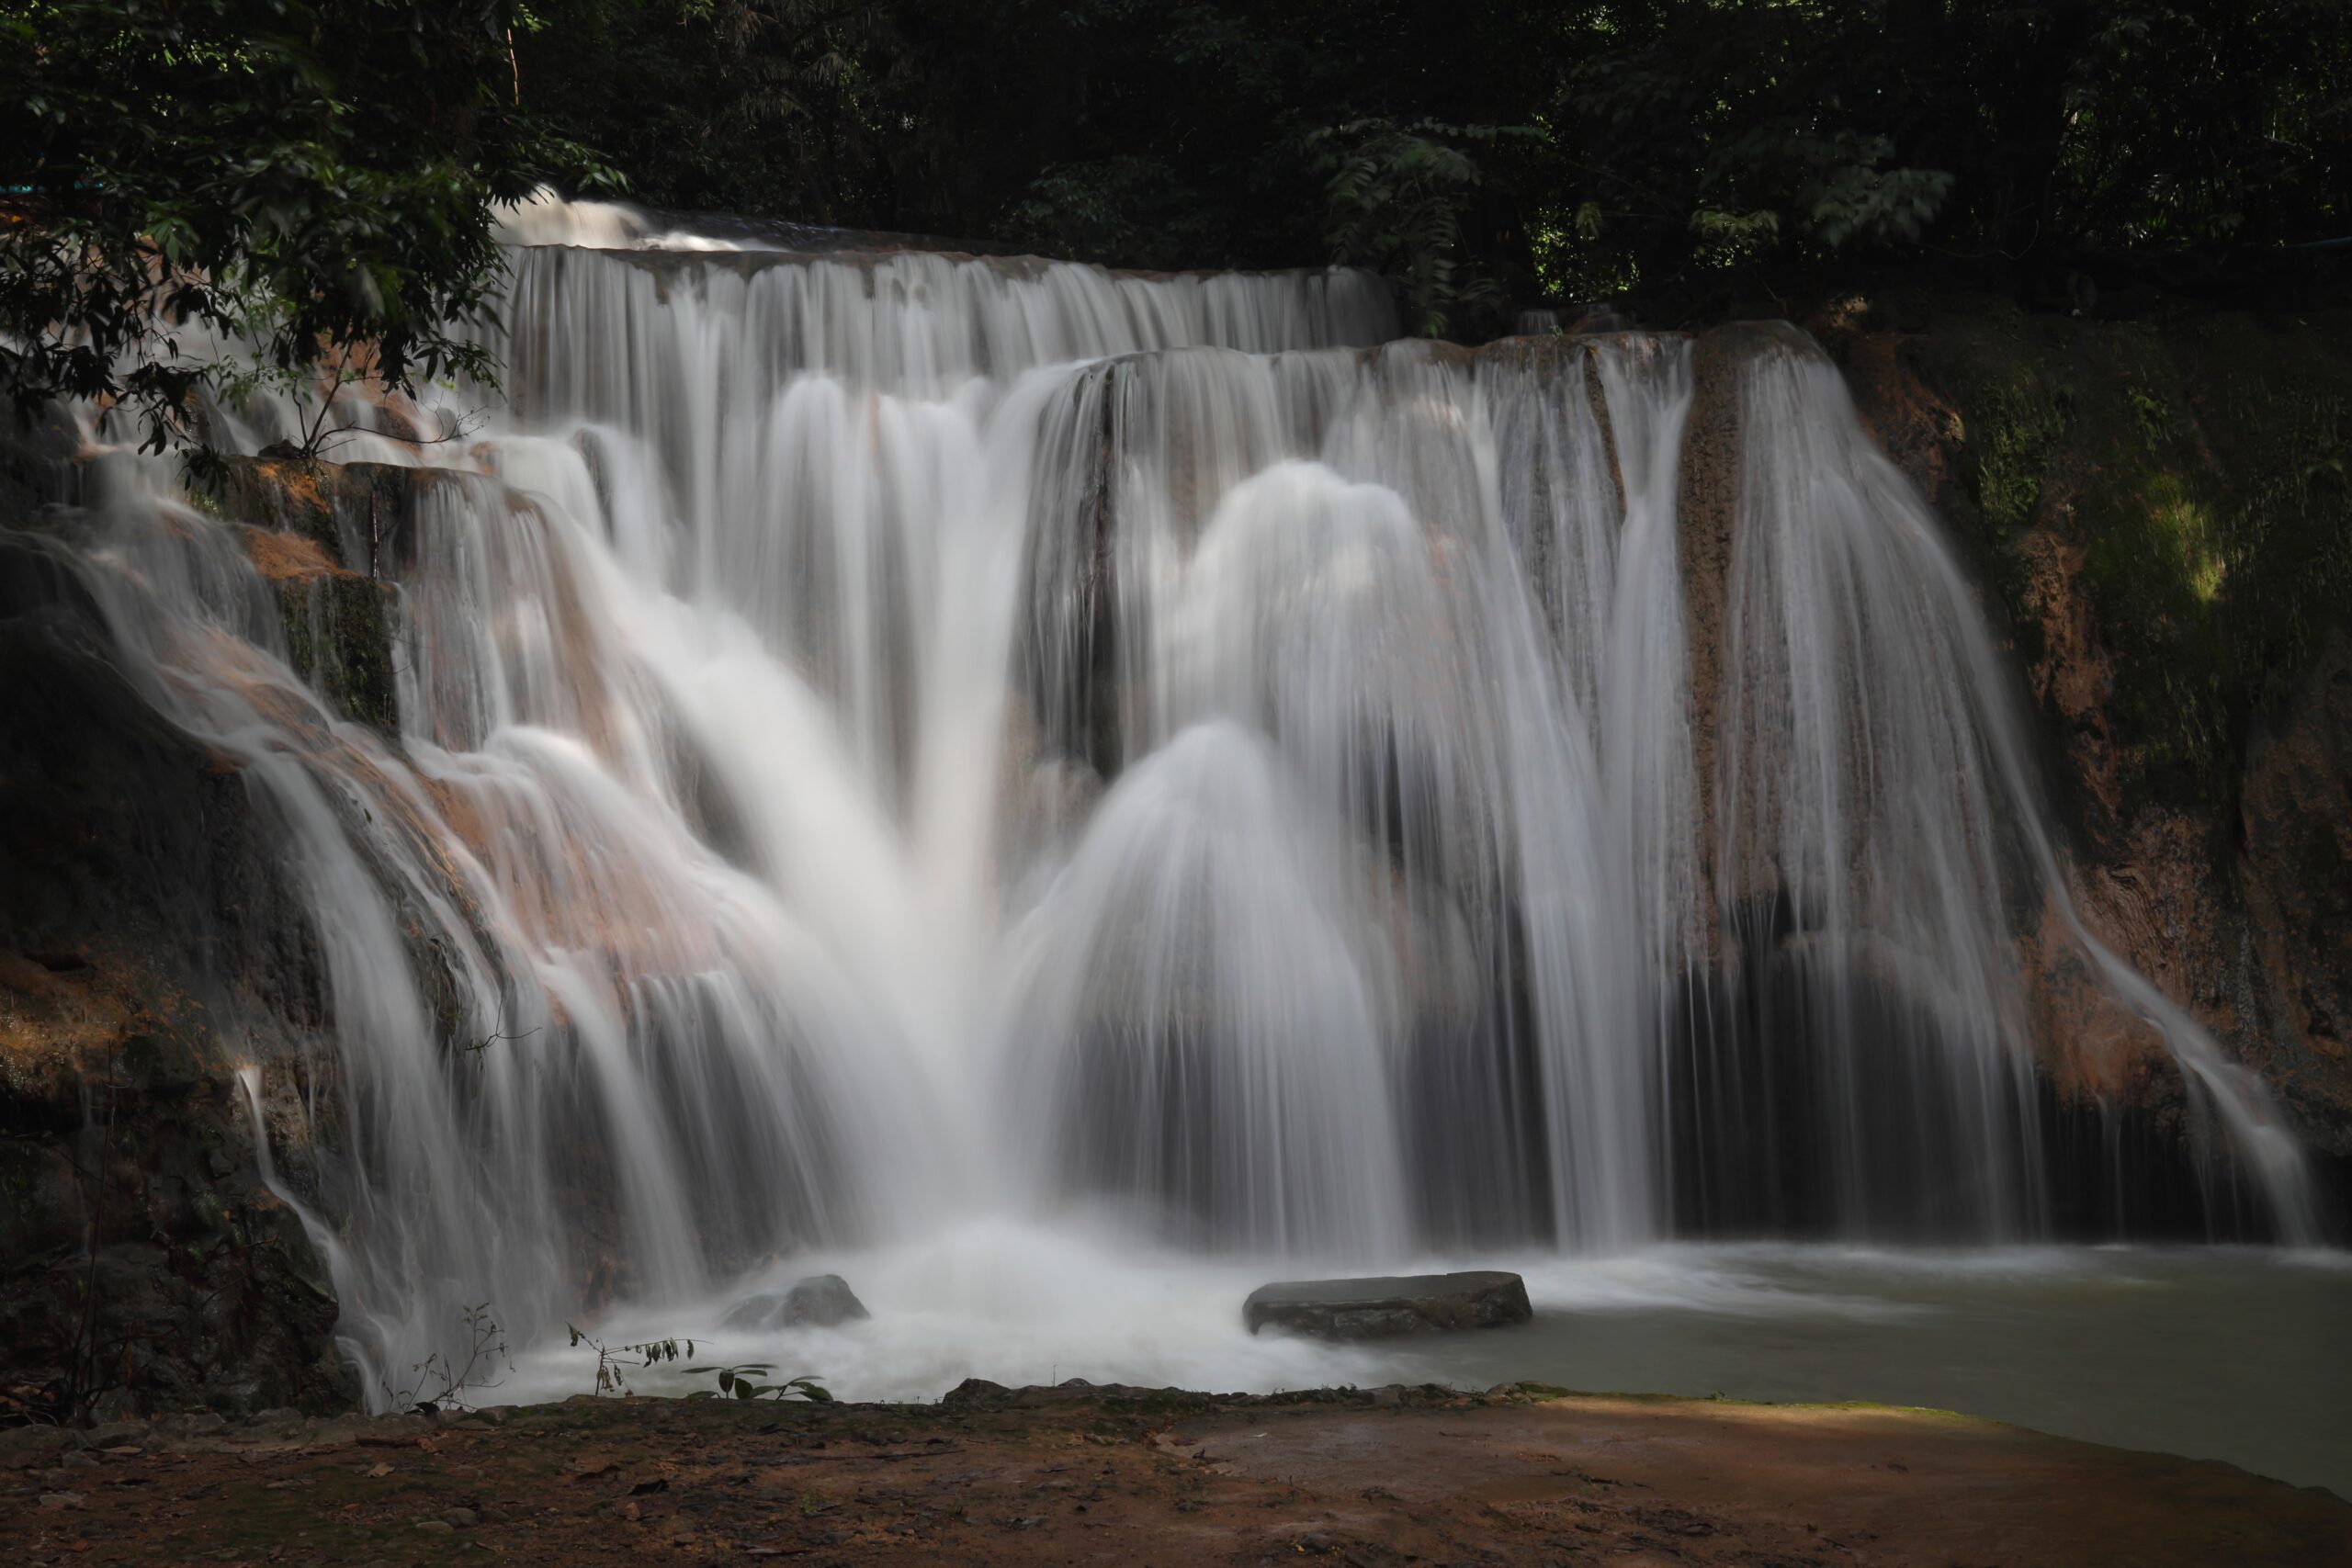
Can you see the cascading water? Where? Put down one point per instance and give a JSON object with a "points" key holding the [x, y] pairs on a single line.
{"points": [[889, 743]]}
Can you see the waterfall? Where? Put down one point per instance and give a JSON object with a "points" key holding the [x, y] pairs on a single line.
{"points": [[891, 739]]}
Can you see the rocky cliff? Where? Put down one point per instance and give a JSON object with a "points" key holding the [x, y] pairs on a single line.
{"points": [[2161, 511], [148, 948]]}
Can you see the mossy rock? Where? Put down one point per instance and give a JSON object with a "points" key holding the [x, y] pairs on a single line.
{"points": [[316, 529], [280, 494], [339, 638], [2202, 467]]}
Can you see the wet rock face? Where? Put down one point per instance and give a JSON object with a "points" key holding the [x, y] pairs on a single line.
{"points": [[337, 638], [1707, 513], [147, 948], [2297, 812], [2141, 506], [220, 1303], [321, 531], [1380, 1308], [152, 944]]}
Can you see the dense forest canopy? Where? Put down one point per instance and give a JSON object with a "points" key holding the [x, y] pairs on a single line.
{"points": [[1486, 149], [319, 174]]}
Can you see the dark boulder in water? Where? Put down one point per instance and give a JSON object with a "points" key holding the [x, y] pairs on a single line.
{"points": [[821, 1300], [1378, 1308]]}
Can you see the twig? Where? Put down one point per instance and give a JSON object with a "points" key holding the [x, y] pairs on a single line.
{"points": [[476, 1047]]}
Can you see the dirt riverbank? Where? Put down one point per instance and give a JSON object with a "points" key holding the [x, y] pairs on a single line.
{"points": [[1140, 1477]]}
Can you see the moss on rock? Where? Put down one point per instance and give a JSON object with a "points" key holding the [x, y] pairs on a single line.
{"points": [[2161, 514], [281, 494], [339, 638], [306, 521], [2200, 465]]}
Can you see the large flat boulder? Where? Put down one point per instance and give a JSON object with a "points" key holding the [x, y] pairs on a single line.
{"points": [[1377, 1308]]}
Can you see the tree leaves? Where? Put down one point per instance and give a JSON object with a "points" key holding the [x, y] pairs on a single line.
{"points": [[1393, 203], [739, 1381], [298, 179], [2005, 134]]}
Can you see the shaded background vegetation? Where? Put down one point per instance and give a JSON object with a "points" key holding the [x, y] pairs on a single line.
{"points": [[1691, 153]]}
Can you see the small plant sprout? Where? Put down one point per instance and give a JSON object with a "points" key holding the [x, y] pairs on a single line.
{"points": [[614, 1361], [742, 1382], [441, 1380]]}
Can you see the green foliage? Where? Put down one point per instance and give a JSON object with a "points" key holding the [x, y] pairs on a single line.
{"points": [[2218, 546], [741, 1381], [785, 108], [2004, 140], [2248, 142], [1698, 138], [2195, 471], [2286, 547], [313, 181], [1844, 195], [2015, 423], [1123, 206], [2021, 425], [2155, 570], [613, 1361], [1394, 203]]}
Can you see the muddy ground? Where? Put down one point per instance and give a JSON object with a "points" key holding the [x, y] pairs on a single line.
{"points": [[1136, 1477]]}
